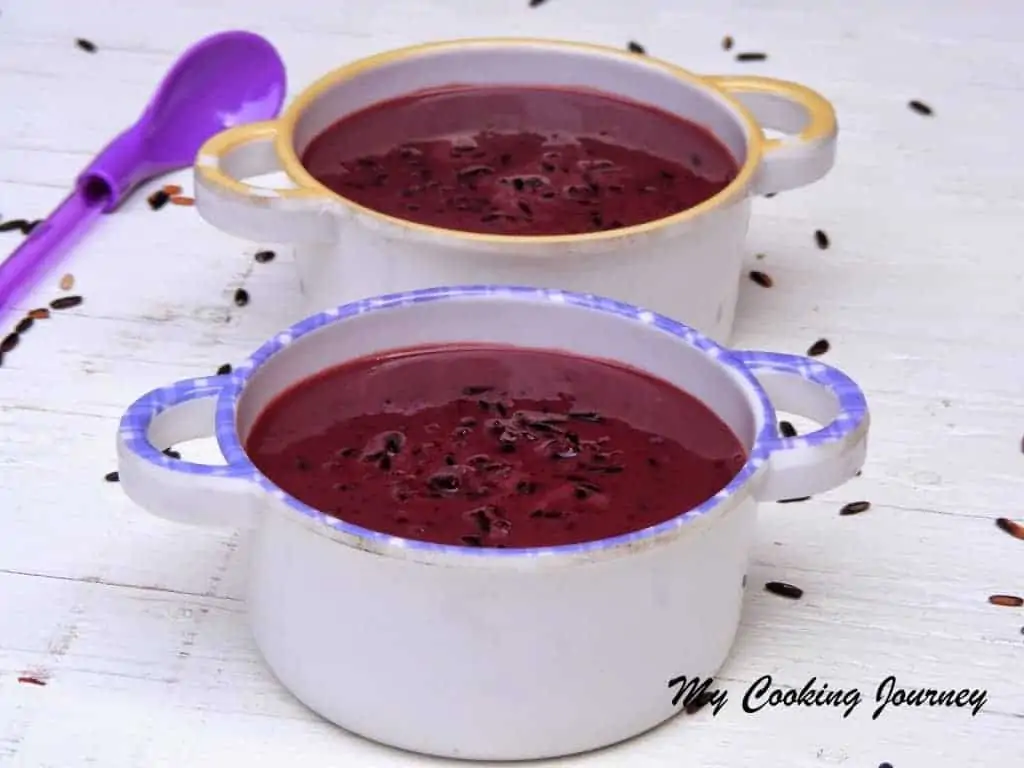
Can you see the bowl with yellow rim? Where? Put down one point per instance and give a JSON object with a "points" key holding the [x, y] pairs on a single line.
{"points": [[685, 265]]}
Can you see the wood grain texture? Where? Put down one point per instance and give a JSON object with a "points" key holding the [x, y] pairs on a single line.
{"points": [[137, 626]]}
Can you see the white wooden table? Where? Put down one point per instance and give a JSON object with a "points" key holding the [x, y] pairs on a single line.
{"points": [[123, 639]]}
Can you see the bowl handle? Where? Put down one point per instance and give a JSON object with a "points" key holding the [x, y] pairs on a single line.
{"points": [[818, 461], [808, 118], [174, 489], [228, 202]]}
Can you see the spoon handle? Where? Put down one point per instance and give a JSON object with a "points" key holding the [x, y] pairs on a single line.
{"points": [[44, 247]]}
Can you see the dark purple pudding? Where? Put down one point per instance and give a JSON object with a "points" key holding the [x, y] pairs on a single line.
{"points": [[518, 160], [492, 446]]}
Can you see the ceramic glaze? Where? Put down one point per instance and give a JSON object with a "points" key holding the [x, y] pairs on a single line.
{"points": [[566, 648]]}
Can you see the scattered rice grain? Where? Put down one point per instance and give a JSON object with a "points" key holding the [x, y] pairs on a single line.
{"points": [[12, 224], [761, 278], [241, 297], [86, 45], [782, 589], [818, 348], [182, 200], [67, 282], [224, 370], [751, 56], [1009, 526], [40, 313], [821, 239], [727, 43], [171, 189], [786, 429], [920, 107], [24, 324], [158, 199], [1006, 601], [112, 477], [66, 302], [698, 703], [10, 341], [635, 47], [855, 508], [262, 257]]}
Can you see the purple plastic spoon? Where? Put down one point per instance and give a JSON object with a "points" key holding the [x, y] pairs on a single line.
{"points": [[225, 80]]}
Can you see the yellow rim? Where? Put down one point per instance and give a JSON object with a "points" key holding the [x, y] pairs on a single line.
{"points": [[821, 121], [227, 142], [291, 165]]}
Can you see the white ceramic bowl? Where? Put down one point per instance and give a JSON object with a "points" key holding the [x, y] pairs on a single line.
{"points": [[494, 653], [686, 266]]}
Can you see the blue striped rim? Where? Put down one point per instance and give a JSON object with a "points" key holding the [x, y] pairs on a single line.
{"points": [[238, 465]]}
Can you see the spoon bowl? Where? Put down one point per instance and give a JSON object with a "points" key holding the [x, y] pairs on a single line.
{"points": [[225, 80]]}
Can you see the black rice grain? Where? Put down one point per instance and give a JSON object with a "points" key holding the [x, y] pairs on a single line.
{"points": [[170, 452], [1009, 526], [224, 370], [885, 765], [751, 56], [698, 703], [535, 3], [86, 45], [1006, 601], [40, 313], [112, 477], [855, 508], [782, 589], [818, 348], [635, 47], [241, 297], [12, 224], [786, 429], [761, 278], [10, 341], [821, 239], [262, 257], [66, 302], [920, 107], [158, 199], [794, 500], [24, 324], [727, 43]]}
